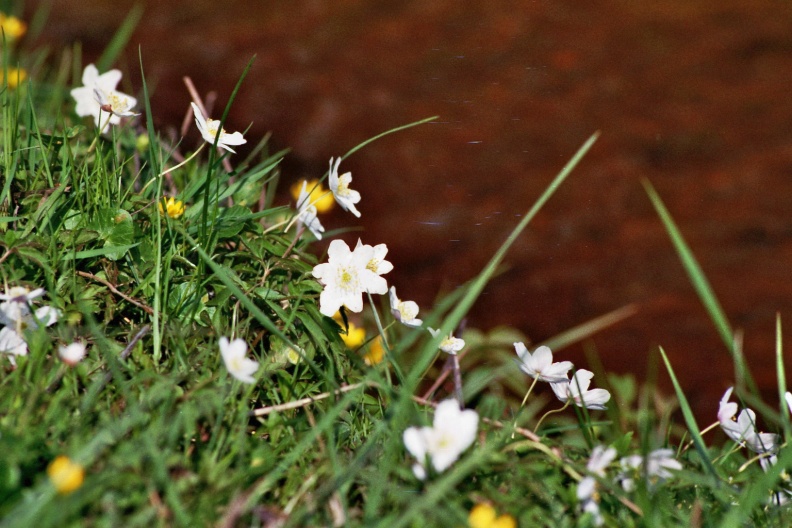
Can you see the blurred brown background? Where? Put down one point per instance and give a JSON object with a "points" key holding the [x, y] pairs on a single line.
{"points": [[692, 95]]}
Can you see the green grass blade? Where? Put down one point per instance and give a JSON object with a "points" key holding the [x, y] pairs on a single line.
{"points": [[120, 39], [387, 132], [690, 420], [478, 284], [700, 283], [589, 328], [781, 373]]}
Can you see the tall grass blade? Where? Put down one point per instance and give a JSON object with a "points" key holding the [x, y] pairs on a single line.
{"points": [[120, 39]]}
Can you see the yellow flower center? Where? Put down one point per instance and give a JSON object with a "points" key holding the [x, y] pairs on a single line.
{"points": [[407, 311], [213, 126], [373, 265]]}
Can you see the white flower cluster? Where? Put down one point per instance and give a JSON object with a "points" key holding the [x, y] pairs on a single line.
{"points": [[540, 366], [16, 315]]}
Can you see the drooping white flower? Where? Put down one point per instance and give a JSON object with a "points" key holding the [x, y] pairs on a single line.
{"points": [[577, 389], [239, 366], [339, 185], [307, 213], [540, 364], [788, 398], [210, 128], [587, 494], [449, 344], [98, 90], [12, 343], [346, 276], [406, 312], [452, 432], [743, 429], [658, 466], [72, 353]]}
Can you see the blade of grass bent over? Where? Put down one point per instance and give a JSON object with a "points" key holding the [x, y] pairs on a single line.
{"points": [[690, 420], [699, 281]]}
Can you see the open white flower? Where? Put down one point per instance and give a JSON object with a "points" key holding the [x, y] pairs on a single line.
{"points": [[743, 429], [238, 365], [452, 432], [339, 185], [210, 128], [375, 257], [577, 389], [450, 344], [90, 104], [659, 464], [540, 364], [12, 343], [307, 213], [72, 354], [16, 303], [406, 312], [346, 276], [587, 494]]}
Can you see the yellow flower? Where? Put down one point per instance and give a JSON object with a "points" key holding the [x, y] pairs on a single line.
{"points": [[174, 207], [12, 26], [354, 336], [16, 76], [65, 475], [375, 353], [322, 198], [484, 516]]}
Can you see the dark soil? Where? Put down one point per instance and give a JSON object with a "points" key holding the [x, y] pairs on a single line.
{"points": [[693, 96]]}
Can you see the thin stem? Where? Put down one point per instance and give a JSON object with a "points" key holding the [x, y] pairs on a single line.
{"points": [[548, 413], [163, 173], [525, 399]]}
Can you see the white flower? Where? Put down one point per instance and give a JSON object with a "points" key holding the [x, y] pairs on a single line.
{"points": [[453, 431], [600, 459], [577, 390], [16, 303], [658, 465], [540, 364], [450, 344], [788, 398], [307, 213], [406, 312], [72, 354], [90, 104], [743, 429], [235, 361], [375, 257], [339, 185], [209, 129], [12, 343], [346, 275]]}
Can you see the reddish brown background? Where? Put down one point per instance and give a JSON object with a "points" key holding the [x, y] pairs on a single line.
{"points": [[692, 95]]}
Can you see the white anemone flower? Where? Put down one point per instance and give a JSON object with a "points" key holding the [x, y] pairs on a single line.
{"points": [[577, 389], [12, 343], [658, 466], [72, 353], [452, 432], [238, 365], [339, 185], [406, 312], [743, 429], [587, 493], [539, 365], [307, 213], [449, 344], [210, 128], [788, 398], [16, 303], [346, 276], [90, 104], [375, 257]]}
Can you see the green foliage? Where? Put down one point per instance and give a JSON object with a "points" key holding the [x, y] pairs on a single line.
{"points": [[168, 437]]}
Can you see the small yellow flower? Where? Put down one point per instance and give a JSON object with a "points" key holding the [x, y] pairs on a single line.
{"points": [[354, 336], [321, 197], [375, 353], [12, 26], [16, 76], [174, 207], [65, 474], [484, 516]]}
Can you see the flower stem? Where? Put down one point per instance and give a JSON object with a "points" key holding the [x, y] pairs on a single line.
{"points": [[548, 413], [525, 399], [163, 173]]}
